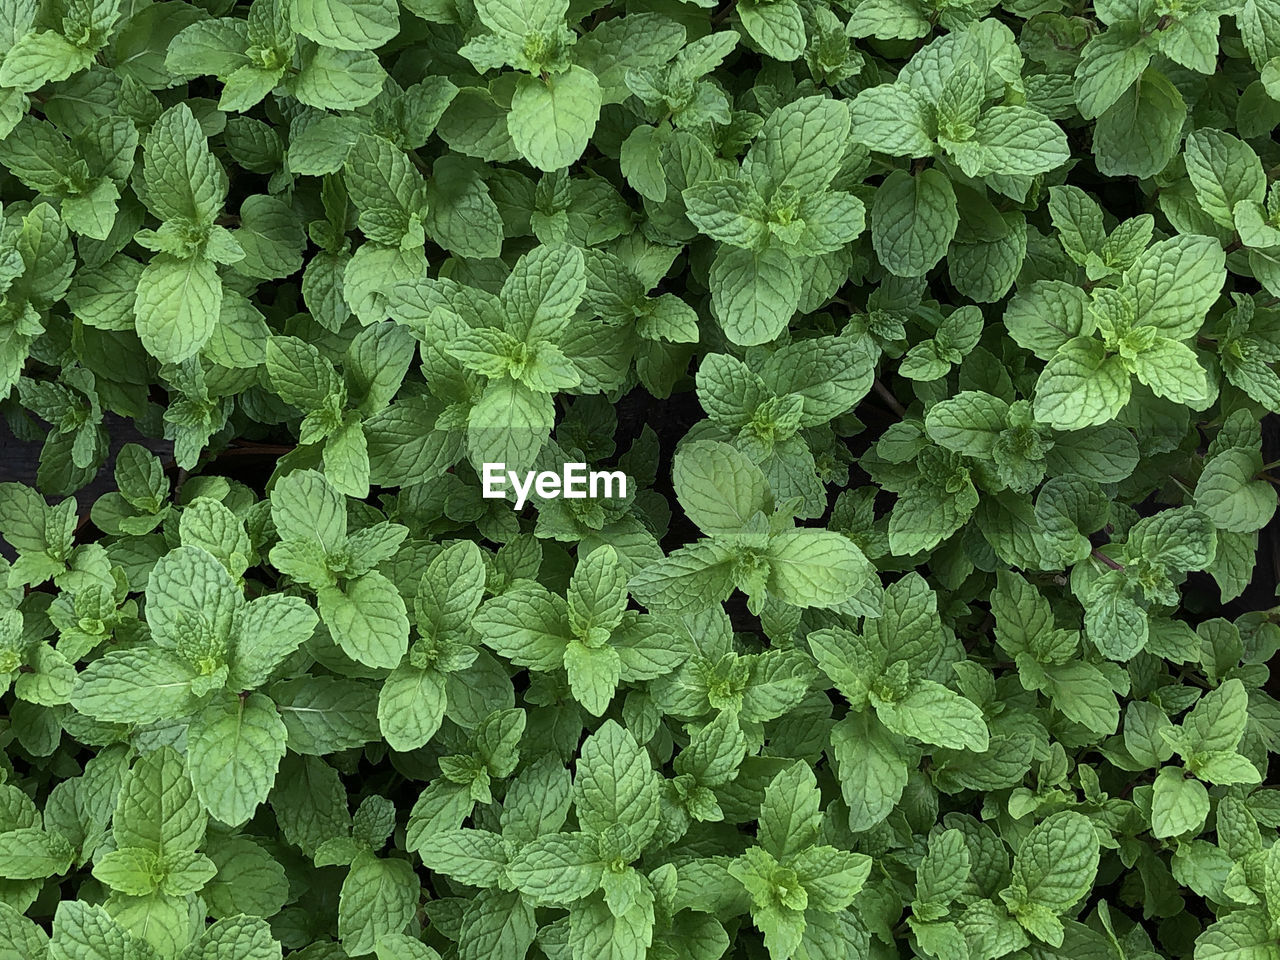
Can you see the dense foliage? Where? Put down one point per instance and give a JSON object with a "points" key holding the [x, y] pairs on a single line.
{"points": [[935, 341]]}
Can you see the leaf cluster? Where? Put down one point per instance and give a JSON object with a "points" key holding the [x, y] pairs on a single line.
{"points": [[936, 341]]}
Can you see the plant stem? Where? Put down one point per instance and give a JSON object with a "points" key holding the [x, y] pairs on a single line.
{"points": [[418, 162], [889, 398], [1105, 560]]}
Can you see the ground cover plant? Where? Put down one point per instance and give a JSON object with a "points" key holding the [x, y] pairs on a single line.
{"points": [[934, 341]]}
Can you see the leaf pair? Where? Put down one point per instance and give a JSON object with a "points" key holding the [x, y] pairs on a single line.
{"points": [[748, 545]]}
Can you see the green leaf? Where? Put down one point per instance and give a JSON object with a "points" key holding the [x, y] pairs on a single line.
{"points": [[505, 918], [450, 590], [129, 871], [1217, 722], [945, 868], [1144, 724], [157, 809], [346, 24], [1113, 618], [600, 933], [1019, 141], [913, 220], [1047, 315], [551, 120], [1081, 386], [29, 853], [1241, 935], [474, 856], [754, 293], [936, 715], [777, 26], [927, 513], [1179, 804], [615, 784], [515, 18], [593, 675], [299, 375], [728, 210], [799, 146], [183, 179], [346, 460], [1228, 494], [83, 931], [397, 945], [367, 618], [527, 625], [1176, 281], [509, 424], [692, 578], [1225, 171], [873, 766], [1110, 64], [191, 599], [324, 714], [1084, 694], [560, 868], [248, 938], [815, 568], [1137, 135], [461, 215], [267, 630], [411, 705], [719, 488], [790, 814], [39, 58], [968, 423], [247, 87], [177, 306], [378, 898], [135, 686], [234, 749], [1055, 864], [597, 594], [832, 878], [272, 238], [333, 79], [304, 506], [1171, 370], [893, 119]]}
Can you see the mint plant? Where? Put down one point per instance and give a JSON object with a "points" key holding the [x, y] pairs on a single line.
{"points": [[531, 480]]}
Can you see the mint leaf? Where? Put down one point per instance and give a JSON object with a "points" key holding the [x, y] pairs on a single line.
{"points": [[236, 747], [666, 482]]}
